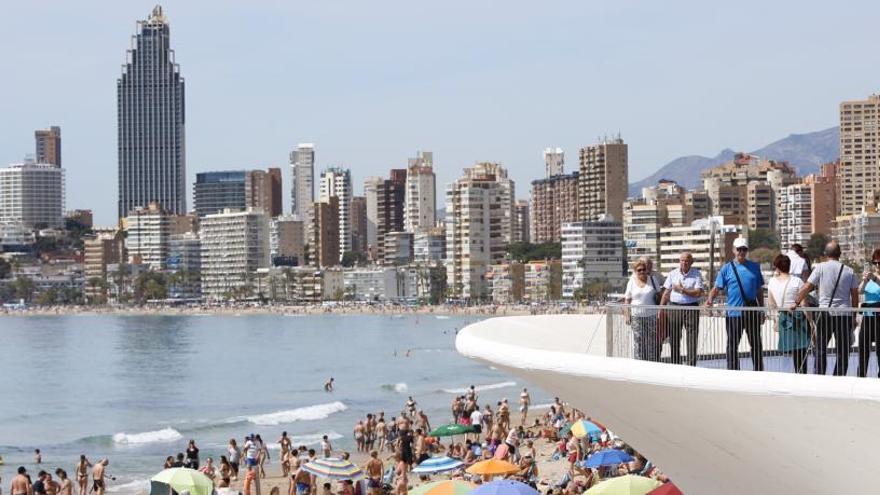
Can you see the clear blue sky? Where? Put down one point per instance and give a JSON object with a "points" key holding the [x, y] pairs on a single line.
{"points": [[373, 82]]}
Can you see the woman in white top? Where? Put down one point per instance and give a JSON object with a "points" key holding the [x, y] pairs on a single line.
{"points": [[794, 335], [641, 292]]}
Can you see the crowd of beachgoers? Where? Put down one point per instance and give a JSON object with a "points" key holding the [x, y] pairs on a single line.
{"points": [[556, 449]]}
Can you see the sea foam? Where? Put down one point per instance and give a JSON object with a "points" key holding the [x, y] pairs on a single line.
{"points": [[163, 435], [480, 388], [308, 413], [308, 439]]}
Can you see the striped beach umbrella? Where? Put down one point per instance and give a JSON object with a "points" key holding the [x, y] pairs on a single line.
{"points": [[333, 468], [448, 487], [582, 428], [439, 464]]}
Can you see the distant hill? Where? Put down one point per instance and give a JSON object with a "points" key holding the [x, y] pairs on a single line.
{"points": [[805, 151]]}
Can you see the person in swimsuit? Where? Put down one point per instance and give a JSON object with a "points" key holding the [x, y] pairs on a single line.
{"points": [[98, 485], [284, 442], [82, 474], [234, 457], [51, 486], [400, 475], [374, 469], [66, 486], [225, 472], [381, 432], [328, 386], [524, 401], [303, 480], [359, 435], [20, 484]]}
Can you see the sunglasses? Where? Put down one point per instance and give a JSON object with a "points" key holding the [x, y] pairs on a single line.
{"points": [[876, 262], [640, 270], [742, 249]]}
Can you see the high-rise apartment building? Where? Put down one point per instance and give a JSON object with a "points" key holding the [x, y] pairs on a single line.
{"points": [[151, 121], [421, 193], [33, 194], [858, 235], [214, 192], [48, 145], [185, 262], [554, 162], [324, 238], [99, 252], [521, 227], [592, 252], [660, 206], [806, 209], [302, 189], [859, 154], [234, 245], [479, 208], [148, 231], [604, 180], [390, 208], [264, 190], [359, 224], [398, 248], [336, 182], [287, 240], [429, 245], [709, 240], [554, 202], [745, 190], [371, 195]]}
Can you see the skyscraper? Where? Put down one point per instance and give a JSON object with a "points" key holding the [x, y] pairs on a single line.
{"points": [[390, 196], [421, 193], [150, 99], [302, 190], [554, 161], [214, 192], [48, 145], [603, 180], [336, 182], [32, 194], [859, 154]]}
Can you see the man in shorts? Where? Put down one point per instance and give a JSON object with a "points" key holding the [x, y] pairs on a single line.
{"points": [[524, 401], [374, 470]]}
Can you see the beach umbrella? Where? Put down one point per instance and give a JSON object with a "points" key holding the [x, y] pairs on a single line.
{"points": [[451, 429], [333, 468], [505, 487], [493, 467], [448, 487], [582, 428], [183, 479], [607, 457], [624, 485], [668, 488], [438, 464]]}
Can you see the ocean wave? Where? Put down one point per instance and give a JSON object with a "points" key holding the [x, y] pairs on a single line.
{"points": [[309, 439], [136, 486], [163, 435], [397, 387], [442, 317], [480, 388], [308, 413]]}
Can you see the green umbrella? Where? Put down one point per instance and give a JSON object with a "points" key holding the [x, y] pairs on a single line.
{"points": [[184, 479], [451, 429], [624, 485]]}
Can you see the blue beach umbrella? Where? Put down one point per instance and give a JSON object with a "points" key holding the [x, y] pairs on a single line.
{"points": [[607, 457], [439, 464], [504, 487]]}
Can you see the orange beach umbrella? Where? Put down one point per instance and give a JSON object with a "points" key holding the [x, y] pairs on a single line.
{"points": [[493, 467]]}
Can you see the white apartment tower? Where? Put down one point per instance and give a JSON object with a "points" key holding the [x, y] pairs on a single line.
{"points": [[148, 234], [479, 209], [302, 191], [591, 251], [336, 182], [234, 245], [420, 202], [371, 193], [554, 161], [32, 194]]}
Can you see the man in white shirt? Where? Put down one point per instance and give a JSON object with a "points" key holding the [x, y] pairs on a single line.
{"points": [[477, 422], [799, 267], [684, 288]]}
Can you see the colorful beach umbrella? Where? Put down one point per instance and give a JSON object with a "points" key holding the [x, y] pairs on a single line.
{"points": [[183, 479], [451, 429], [624, 485], [607, 457], [440, 464], [493, 467], [333, 468], [448, 487], [668, 488], [582, 428], [505, 487]]}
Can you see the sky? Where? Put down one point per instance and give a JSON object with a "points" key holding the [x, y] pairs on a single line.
{"points": [[371, 83]]}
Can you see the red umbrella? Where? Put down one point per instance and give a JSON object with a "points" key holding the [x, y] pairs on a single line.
{"points": [[666, 489]]}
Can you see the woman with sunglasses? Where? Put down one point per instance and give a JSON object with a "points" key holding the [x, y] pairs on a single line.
{"points": [[869, 331], [641, 292]]}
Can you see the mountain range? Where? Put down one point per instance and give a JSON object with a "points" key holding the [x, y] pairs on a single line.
{"points": [[806, 152]]}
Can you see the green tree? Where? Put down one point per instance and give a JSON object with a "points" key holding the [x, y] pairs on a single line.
{"points": [[150, 285], [524, 252], [816, 246], [353, 258], [763, 238], [763, 255], [23, 288], [5, 268], [338, 295], [48, 297]]}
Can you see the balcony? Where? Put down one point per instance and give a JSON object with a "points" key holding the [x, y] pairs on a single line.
{"points": [[704, 425]]}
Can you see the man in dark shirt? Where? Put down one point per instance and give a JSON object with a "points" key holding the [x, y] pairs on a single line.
{"points": [[39, 488], [179, 462]]}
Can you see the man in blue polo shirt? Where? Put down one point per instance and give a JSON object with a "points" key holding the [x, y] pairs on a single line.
{"points": [[742, 282]]}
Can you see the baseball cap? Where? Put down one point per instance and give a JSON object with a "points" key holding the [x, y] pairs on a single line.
{"points": [[740, 242]]}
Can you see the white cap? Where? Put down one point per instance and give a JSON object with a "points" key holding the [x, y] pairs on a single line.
{"points": [[740, 242]]}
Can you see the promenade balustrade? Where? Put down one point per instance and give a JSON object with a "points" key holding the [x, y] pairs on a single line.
{"points": [[649, 332]]}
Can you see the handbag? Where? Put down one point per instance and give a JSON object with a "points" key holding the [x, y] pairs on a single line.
{"points": [[749, 303], [658, 296]]}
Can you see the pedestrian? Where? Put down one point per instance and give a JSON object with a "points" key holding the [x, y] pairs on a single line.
{"points": [[838, 288], [192, 455], [683, 289], [743, 283], [792, 326], [869, 331], [641, 292]]}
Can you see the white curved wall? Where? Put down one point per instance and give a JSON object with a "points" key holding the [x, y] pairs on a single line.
{"points": [[714, 431]]}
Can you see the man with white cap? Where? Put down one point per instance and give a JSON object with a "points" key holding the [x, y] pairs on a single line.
{"points": [[743, 283]]}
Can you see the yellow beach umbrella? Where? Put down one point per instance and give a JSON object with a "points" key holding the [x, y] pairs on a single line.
{"points": [[493, 467], [624, 485], [448, 487]]}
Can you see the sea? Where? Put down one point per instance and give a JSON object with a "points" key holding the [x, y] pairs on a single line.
{"points": [[135, 389]]}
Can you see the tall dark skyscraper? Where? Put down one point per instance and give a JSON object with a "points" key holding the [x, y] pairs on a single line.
{"points": [[151, 135]]}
